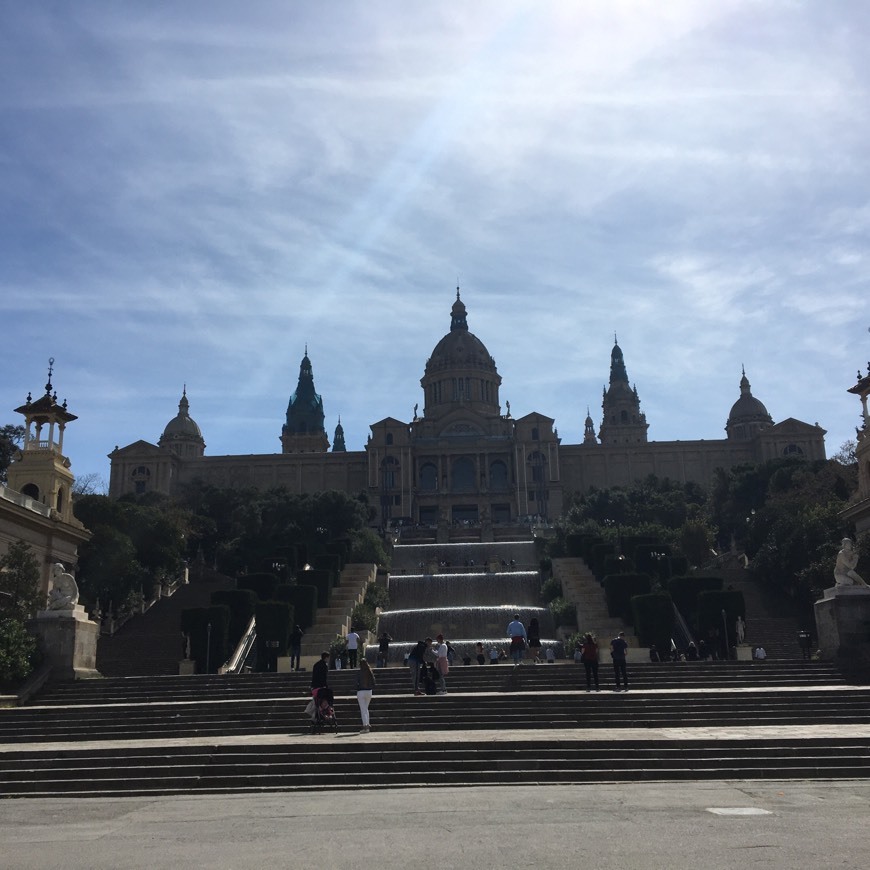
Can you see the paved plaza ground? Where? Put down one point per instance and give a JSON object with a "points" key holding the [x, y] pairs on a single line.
{"points": [[650, 826]]}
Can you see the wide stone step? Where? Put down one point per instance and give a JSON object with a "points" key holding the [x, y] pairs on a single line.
{"points": [[227, 769], [472, 679], [407, 713]]}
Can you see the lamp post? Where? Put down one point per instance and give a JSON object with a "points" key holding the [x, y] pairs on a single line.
{"points": [[208, 648], [725, 628]]}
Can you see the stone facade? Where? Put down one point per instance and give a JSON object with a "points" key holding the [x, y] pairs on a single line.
{"points": [[36, 505], [465, 461]]}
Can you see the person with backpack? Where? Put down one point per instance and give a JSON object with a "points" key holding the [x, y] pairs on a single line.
{"points": [[589, 657]]}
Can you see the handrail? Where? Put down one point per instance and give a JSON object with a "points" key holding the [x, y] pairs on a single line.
{"points": [[682, 635], [237, 660]]}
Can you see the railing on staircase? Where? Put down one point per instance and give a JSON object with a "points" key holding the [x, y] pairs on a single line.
{"points": [[236, 662], [681, 635]]}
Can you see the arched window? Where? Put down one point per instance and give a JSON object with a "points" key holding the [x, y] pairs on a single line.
{"points": [[498, 475], [463, 475], [31, 490], [792, 450], [59, 502], [428, 477], [389, 438]]}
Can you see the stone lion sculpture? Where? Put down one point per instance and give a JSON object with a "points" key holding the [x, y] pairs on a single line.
{"points": [[64, 593], [847, 560]]}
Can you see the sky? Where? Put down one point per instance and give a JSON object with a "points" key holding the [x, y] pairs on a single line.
{"points": [[193, 193]]}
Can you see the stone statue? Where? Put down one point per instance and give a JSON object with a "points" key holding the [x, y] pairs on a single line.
{"points": [[844, 571], [740, 629], [64, 593]]}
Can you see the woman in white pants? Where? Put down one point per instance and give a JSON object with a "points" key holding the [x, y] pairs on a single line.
{"points": [[365, 685]]}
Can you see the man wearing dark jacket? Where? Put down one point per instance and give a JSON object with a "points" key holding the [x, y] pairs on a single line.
{"points": [[320, 673]]}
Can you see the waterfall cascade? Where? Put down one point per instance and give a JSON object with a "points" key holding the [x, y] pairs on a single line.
{"points": [[467, 605]]}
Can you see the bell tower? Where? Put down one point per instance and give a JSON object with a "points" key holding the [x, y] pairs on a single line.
{"points": [[42, 472]]}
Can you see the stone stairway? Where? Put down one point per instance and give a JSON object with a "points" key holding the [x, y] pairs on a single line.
{"points": [[218, 734], [150, 644], [335, 619], [581, 588]]}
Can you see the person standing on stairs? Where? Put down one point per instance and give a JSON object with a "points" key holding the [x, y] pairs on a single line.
{"points": [[442, 665], [365, 686], [618, 648], [516, 631], [296, 649], [352, 648], [589, 657]]}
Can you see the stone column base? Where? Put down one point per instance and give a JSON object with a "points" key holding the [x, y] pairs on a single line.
{"points": [[843, 622], [69, 643]]}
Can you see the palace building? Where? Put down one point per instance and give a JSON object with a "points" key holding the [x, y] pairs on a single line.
{"points": [[465, 461]]}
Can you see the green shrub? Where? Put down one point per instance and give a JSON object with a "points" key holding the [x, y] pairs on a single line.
{"points": [[304, 601], [377, 596], [263, 584], [551, 589], [564, 612], [619, 589], [653, 619], [363, 618], [18, 652]]}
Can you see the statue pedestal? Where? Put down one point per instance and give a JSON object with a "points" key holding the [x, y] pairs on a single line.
{"points": [[69, 642], [843, 623]]}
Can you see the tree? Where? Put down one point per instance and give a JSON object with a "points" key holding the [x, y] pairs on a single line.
{"points": [[20, 592], [89, 484], [10, 437]]}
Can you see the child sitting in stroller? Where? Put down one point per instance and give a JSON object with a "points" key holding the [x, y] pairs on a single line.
{"points": [[321, 710]]}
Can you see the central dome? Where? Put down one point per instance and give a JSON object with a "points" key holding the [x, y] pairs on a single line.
{"points": [[460, 370]]}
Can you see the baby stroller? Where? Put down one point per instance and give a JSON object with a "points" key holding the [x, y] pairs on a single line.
{"points": [[321, 710]]}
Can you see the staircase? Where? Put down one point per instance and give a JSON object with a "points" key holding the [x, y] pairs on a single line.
{"points": [[222, 734], [150, 644], [335, 619], [580, 587]]}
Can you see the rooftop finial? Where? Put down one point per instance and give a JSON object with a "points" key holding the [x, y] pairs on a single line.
{"points": [[50, 372], [614, 339], [457, 291]]}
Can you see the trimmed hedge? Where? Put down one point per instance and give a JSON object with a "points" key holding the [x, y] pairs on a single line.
{"points": [[322, 581], [647, 563], [600, 552], [619, 589], [263, 584], [685, 592], [614, 564], [328, 562], [194, 623], [653, 619], [241, 604], [304, 601], [274, 624]]}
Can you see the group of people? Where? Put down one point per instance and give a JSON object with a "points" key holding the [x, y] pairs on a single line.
{"points": [[588, 654]]}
